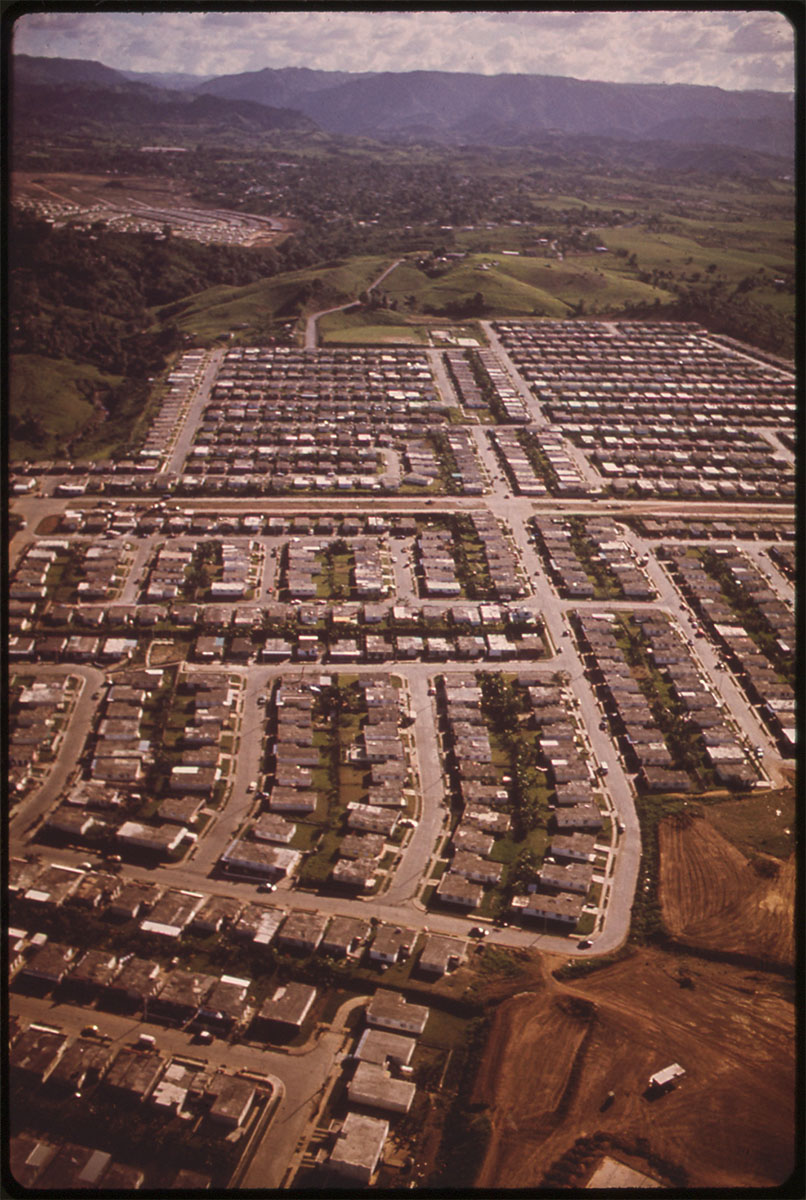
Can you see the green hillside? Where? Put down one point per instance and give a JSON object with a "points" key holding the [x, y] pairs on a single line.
{"points": [[51, 403], [251, 311], [511, 285]]}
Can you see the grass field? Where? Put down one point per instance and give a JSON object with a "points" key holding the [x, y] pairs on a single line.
{"points": [[54, 396], [251, 310], [369, 328]]}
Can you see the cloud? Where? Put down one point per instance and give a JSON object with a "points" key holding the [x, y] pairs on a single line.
{"points": [[724, 48], [767, 32]]}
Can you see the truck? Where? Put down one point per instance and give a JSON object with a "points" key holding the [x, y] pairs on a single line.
{"points": [[664, 1080]]}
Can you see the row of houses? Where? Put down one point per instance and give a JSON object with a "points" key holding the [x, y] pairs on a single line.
{"points": [[376, 816], [564, 476], [36, 1162], [517, 462], [294, 754], [40, 1057], [483, 795], [97, 571], [180, 386], [460, 371], [559, 543], [505, 395], [762, 679], [644, 401], [615, 558], [434, 549], [422, 462], [566, 760], [468, 475], [133, 983], [38, 714], [508, 581], [643, 743], [564, 566], [516, 639], [379, 1081], [315, 417], [731, 529], [304, 567], [116, 783]]}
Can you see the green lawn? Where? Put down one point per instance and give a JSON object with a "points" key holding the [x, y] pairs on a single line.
{"points": [[373, 327]]}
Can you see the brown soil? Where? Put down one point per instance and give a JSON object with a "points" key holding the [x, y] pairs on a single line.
{"points": [[556, 1051], [713, 898]]}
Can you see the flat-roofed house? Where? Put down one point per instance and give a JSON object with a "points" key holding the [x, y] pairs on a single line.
{"points": [[133, 1074], [358, 1147], [182, 995], [232, 1099], [439, 954], [225, 1005], [84, 1062], [35, 1053], [564, 908], [344, 936], [382, 1047], [391, 943], [92, 974], [137, 982], [48, 965], [302, 931], [374, 1087], [389, 1010], [28, 1158], [286, 1010], [456, 889]]}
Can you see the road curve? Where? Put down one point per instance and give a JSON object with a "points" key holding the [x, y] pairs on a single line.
{"points": [[311, 331]]}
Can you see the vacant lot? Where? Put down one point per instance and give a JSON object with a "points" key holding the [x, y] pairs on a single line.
{"points": [[556, 1050], [713, 898]]}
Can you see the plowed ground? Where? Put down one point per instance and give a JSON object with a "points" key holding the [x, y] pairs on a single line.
{"points": [[556, 1051], [713, 898]]}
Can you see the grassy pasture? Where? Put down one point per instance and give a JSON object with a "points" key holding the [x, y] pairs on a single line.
{"points": [[57, 395]]}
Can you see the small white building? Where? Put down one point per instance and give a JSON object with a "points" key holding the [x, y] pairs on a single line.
{"points": [[358, 1147]]}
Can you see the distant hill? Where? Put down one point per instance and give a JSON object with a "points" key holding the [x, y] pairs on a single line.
{"points": [[178, 81], [28, 69], [421, 106], [459, 107], [119, 107]]}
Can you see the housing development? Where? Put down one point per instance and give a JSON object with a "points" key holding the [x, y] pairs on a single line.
{"points": [[366, 672]]}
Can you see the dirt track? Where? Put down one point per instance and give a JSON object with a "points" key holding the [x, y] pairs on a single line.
{"points": [[554, 1054], [713, 898]]}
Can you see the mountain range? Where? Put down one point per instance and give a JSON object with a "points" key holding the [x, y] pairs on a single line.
{"points": [[438, 106]]}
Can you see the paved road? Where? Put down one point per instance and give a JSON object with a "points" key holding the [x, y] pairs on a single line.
{"points": [[182, 442], [311, 331], [30, 811]]}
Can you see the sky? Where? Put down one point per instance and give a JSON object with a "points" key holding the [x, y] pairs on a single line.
{"points": [[735, 49]]}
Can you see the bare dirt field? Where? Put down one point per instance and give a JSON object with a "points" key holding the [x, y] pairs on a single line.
{"points": [[714, 898], [88, 189], [556, 1051]]}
